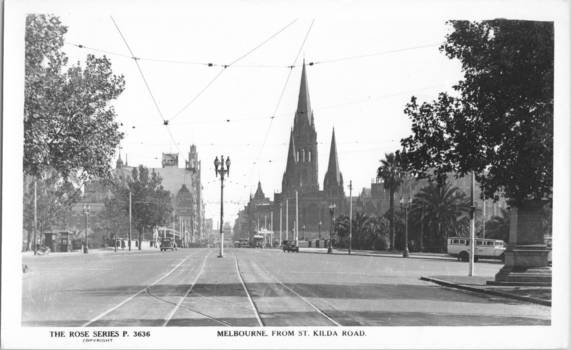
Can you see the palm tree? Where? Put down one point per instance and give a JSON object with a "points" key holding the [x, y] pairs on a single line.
{"points": [[361, 229], [443, 209], [498, 227], [378, 227], [392, 174], [341, 227]]}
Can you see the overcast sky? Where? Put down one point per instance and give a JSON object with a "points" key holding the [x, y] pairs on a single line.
{"points": [[367, 67]]}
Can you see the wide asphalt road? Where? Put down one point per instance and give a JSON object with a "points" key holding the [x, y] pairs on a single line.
{"points": [[257, 287]]}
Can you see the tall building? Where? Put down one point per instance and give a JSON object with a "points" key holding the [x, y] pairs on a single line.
{"points": [[184, 184], [301, 176]]}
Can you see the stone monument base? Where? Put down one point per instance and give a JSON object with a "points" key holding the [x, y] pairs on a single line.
{"points": [[525, 266], [526, 254]]}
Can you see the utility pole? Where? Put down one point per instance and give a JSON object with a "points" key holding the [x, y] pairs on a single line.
{"points": [[35, 216], [472, 227], [350, 213], [287, 219], [296, 219], [484, 218], [129, 219]]}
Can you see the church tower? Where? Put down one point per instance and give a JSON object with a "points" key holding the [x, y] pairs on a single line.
{"points": [[301, 169]]}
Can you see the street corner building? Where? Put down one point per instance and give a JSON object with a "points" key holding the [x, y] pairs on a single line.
{"points": [[185, 187], [301, 176]]}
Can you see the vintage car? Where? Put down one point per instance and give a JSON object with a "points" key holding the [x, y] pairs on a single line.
{"points": [[168, 243], [289, 246]]}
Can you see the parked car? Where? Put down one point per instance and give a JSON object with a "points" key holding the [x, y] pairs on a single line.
{"points": [[289, 246], [168, 243]]}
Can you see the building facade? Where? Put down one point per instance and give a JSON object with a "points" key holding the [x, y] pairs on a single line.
{"points": [[185, 187], [300, 183]]}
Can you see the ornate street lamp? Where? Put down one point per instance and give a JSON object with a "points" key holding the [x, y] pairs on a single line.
{"points": [[320, 223], [406, 207], [86, 215], [222, 172], [331, 211]]}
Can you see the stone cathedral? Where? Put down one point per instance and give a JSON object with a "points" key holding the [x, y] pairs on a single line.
{"points": [[301, 175]]}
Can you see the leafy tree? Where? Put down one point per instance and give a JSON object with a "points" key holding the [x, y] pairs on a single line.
{"points": [[150, 202], [444, 209], [55, 197], [115, 214], [501, 124], [69, 125], [498, 227], [392, 174]]}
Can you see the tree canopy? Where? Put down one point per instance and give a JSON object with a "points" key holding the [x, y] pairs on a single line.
{"points": [[443, 210], [150, 202], [501, 123], [69, 125], [115, 213]]}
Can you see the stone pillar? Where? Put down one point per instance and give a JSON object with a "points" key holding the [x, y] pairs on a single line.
{"points": [[526, 253]]}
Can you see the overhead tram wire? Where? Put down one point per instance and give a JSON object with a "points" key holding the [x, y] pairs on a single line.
{"points": [[209, 64], [373, 54], [226, 66], [277, 105], [147, 85], [288, 114]]}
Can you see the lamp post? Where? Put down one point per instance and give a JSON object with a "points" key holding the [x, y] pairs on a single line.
{"points": [[331, 211], [406, 207], [303, 232], [222, 172], [86, 214], [320, 229]]}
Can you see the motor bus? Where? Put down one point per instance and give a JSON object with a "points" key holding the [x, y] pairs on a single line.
{"points": [[484, 248]]}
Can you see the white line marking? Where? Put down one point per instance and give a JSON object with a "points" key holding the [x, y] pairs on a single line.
{"points": [[134, 295], [248, 293], [188, 291], [302, 298]]}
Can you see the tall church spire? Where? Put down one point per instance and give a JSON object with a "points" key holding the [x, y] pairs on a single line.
{"points": [[303, 103], [333, 167], [333, 178]]}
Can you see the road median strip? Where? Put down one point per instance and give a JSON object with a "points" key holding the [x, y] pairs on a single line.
{"points": [[487, 291]]}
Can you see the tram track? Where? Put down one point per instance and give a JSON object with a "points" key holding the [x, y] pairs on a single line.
{"points": [[145, 289], [289, 290], [171, 314]]}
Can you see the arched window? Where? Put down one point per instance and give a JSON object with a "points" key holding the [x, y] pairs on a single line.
{"points": [[309, 156], [297, 156], [303, 154]]}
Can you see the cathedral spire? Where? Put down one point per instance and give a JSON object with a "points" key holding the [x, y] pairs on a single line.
{"points": [[333, 176], [333, 159], [303, 103], [291, 160]]}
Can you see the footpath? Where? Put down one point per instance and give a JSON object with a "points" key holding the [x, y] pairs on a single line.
{"points": [[477, 284]]}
